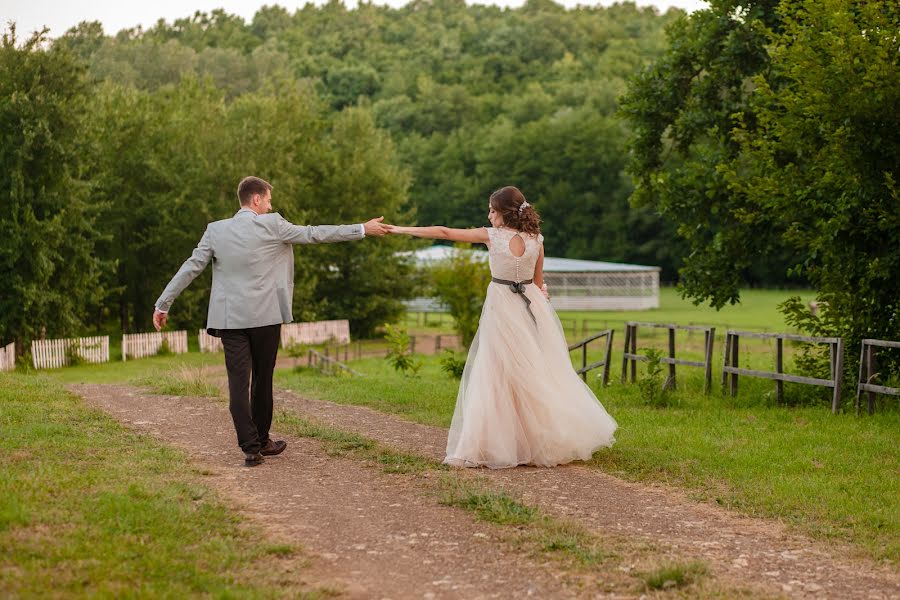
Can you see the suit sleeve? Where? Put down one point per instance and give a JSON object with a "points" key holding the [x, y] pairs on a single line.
{"points": [[318, 234], [189, 270]]}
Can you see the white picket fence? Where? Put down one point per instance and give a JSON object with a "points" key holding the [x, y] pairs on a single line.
{"points": [[315, 332], [209, 343], [139, 345], [8, 357], [50, 354]]}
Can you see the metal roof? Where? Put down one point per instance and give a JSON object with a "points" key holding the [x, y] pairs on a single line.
{"points": [[551, 263]]}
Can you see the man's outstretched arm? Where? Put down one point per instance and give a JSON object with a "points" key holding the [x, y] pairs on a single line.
{"points": [[189, 270], [325, 234]]}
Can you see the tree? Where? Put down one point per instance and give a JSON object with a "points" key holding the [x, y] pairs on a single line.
{"points": [[820, 153], [49, 274], [681, 113], [461, 283], [778, 126]]}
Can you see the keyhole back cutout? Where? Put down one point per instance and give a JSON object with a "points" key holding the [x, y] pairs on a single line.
{"points": [[517, 245]]}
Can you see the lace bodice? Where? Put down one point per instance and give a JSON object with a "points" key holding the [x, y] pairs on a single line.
{"points": [[505, 264]]}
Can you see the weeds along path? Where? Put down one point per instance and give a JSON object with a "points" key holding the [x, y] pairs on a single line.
{"points": [[751, 552], [413, 533]]}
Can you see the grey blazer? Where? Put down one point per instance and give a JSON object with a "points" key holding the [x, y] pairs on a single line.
{"points": [[253, 267]]}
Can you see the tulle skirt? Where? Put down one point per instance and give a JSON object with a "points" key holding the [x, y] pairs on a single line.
{"points": [[520, 402]]}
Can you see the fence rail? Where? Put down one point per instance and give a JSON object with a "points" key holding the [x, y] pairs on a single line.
{"points": [[315, 332], [583, 371], [209, 343], [732, 353], [51, 354], [868, 373], [631, 356], [8, 357], [326, 363], [141, 345]]}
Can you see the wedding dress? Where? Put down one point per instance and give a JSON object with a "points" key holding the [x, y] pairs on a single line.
{"points": [[520, 402]]}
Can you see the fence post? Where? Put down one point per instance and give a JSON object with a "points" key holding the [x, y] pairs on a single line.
{"points": [[735, 345], [609, 342], [779, 368], [870, 375], [862, 362], [624, 352], [584, 362], [634, 329], [709, 337], [670, 380], [725, 360], [838, 375]]}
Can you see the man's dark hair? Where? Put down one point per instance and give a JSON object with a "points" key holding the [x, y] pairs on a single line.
{"points": [[249, 186]]}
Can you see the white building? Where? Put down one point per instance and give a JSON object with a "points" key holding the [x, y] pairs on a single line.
{"points": [[573, 284]]}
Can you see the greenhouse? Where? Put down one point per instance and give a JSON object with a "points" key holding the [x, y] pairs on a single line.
{"points": [[573, 284]]}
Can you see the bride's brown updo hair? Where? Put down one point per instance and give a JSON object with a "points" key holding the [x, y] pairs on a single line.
{"points": [[507, 201]]}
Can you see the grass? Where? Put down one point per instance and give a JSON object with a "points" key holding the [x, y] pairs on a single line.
{"points": [[88, 508], [183, 381], [342, 443], [830, 476], [673, 576]]}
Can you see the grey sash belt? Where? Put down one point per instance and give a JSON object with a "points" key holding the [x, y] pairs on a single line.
{"points": [[518, 287]]}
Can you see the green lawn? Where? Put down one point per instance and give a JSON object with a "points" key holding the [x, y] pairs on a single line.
{"points": [[832, 476], [90, 509]]}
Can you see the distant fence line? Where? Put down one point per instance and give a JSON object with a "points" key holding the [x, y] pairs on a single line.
{"points": [[8, 357], [868, 373], [50, 354], [836, 363], [315, 332], [209, 343], [141, 345], [630, 355]]}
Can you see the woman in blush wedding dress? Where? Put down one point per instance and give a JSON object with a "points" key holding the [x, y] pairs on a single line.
{"points": [[520, 402]]}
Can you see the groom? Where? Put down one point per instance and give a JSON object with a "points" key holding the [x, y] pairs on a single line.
{"points": [[252, 292]]}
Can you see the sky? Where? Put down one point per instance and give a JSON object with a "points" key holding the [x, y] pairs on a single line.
{"points": [[60, 15]]}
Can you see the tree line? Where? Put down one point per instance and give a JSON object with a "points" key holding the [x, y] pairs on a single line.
{"points": [[749, 143]]}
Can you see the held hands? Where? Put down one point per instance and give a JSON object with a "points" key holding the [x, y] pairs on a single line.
{"points": [[376, 228], [159, 319]]}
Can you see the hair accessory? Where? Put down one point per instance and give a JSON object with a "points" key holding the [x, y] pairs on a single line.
{"points": [[523, 206]]}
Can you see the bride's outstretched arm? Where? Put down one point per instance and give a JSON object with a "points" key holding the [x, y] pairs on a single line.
{"points": [[478, 235]]}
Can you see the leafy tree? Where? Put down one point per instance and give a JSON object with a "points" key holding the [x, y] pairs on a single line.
{"points": [[460, 283], [49, 274]]}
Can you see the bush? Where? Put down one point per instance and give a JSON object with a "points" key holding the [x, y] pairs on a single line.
{"points": [[651, 385], [453, 363], [460, 283], [399, 354]]}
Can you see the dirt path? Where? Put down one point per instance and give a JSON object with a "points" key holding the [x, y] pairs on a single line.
{"points": [[368, 534], [752, 551]]}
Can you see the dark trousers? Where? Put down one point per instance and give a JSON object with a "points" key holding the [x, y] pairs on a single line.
{"points": [[250, 361]]}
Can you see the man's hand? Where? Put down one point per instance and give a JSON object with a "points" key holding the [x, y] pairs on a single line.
{"points": [[159, 319], [375, 227]]}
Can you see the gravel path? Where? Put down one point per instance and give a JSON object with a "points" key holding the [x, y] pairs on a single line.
{"points": [[752, 551]]}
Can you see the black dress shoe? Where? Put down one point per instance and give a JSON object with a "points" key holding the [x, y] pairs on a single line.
{"points": [[251, 460], [273, 448]]}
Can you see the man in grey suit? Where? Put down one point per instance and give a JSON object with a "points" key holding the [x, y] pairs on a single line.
{"points": [[252, 293]]}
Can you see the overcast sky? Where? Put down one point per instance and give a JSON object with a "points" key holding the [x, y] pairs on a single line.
{"points": [[59, 15]]}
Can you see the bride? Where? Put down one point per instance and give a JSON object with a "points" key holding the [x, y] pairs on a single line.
{"points": [[520, 402]]}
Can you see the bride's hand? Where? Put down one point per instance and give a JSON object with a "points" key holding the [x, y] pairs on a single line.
{"points": [[545, 292]]}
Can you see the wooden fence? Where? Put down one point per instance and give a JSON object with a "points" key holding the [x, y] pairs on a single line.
{"points": [[631, 355], [8, 357], [209, 343], [868, 373], [50, 354], [140, 345], [583, 371], [732, 351], [315, 332]]}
